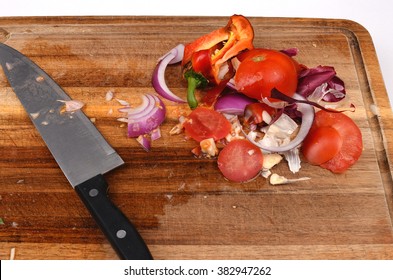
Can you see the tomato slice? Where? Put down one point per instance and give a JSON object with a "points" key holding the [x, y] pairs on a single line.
{"points": [[261, 70], [240, 160], [204, 123], [351, 141]]}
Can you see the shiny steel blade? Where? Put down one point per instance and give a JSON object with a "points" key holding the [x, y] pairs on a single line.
{"points": [[76, 144]]}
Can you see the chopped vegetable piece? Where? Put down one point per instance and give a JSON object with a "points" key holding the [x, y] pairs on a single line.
{"points": [[123, 102], [72, 105], [270, 160], [235, 37], [293, 159], [307, 121], [236, 129], [240, 161], [146, 117], [158, 80], [311, 78], [109, 95], [257, 113], [207, 59], [208, 147], [262, 70], [232, 103], [206, 123], [321, 144], [276, 179], [211, 95], [195, 80], [348, 132], [178, 128], [155, 134], [144, 142]]}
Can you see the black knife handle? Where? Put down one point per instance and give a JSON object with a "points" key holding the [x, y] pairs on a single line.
{"points": [[120, 232]]}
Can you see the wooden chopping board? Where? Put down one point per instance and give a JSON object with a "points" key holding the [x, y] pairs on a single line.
{"points": [[183, 206]]}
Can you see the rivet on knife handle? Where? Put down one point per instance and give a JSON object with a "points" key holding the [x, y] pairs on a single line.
{"points": [[120, 232]]}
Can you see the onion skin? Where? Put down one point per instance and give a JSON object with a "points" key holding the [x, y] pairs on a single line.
{"points": [[72, 105], [158, 80], [308, 113], [146, 117]]}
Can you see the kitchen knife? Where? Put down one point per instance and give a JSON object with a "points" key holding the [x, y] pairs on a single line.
{"points": [[77, 146]]}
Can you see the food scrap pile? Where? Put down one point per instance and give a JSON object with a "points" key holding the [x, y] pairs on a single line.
{"points": [[260, 104]]}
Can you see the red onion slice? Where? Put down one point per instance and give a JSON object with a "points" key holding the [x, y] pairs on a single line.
{"points": [[158, 80], [145, 108], [146, 117], [233, 103], [307, 111]]}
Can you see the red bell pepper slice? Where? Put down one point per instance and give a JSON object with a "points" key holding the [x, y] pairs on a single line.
{"points": [[236, 36], [207, 59], [212, 94]]}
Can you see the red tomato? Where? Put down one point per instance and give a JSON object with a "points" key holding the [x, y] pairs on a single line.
{"points": [[261, 70], [321, 145], [240, 160], [255, 113], [206, 123], [340, 156]]}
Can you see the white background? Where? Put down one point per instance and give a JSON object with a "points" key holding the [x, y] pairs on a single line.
{"points": [[280, 269], [375, 15]]}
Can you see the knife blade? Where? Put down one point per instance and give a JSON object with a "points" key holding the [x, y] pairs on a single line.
{"points": [[78, 147]]}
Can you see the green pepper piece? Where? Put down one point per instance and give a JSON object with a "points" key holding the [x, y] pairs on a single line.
{"points": [[194, 80]]}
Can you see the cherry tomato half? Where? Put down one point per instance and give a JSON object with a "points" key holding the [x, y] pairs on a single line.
{"points": [[240, 160], [342, 150], [261, 70], [204, 123]]}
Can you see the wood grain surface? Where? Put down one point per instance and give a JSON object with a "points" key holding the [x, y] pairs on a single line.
{"points": [[182, 206]]}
